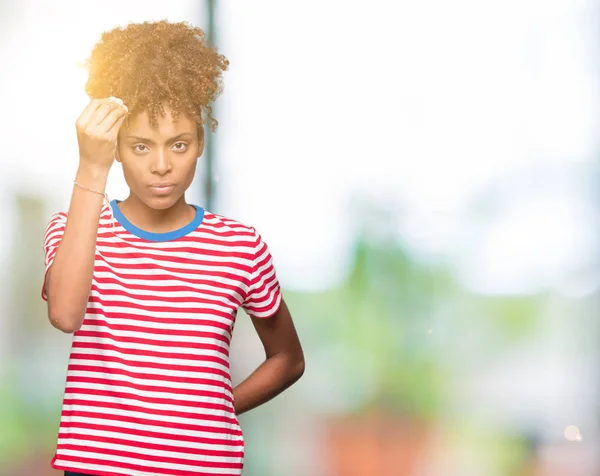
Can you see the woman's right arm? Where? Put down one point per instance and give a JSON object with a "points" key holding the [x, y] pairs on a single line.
{"points": [[69, 278]]}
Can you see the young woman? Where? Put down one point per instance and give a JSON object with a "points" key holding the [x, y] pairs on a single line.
{"points": [[150, 286]]}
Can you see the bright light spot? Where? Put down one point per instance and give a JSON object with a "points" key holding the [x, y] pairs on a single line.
{"points": [[572, 433]]}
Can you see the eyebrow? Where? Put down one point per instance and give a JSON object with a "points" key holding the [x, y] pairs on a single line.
{"points": [[150, 141]]}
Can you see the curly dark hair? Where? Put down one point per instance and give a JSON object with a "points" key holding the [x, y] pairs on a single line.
{"points": [[151, 63]]}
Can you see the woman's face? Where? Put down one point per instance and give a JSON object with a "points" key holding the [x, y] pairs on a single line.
{"points": [[159, 164]]}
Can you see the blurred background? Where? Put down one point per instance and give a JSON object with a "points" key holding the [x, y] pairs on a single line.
{"points": [[426, 175]]}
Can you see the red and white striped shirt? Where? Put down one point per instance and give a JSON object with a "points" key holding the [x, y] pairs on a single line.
{"points": [[148, 388]]}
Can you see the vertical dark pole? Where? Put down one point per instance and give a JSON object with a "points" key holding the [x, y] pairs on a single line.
{"points": [[209, 151]]}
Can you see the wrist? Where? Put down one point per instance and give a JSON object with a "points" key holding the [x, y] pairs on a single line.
{"points": [[92, 176]]}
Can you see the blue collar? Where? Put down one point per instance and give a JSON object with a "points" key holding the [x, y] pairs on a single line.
{"points": [[147, 235]]}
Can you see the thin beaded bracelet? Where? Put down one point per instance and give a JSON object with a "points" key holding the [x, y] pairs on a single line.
{"points": [[104, 194]]}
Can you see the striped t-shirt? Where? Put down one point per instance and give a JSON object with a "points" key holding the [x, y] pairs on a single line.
{"points": [[148, 388]]}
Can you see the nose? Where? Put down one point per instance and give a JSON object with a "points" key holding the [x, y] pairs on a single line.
{"points": [[161, 164]]}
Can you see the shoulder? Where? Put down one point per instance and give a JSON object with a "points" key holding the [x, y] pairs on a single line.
{"points": [[223, 226], [59, 216], [57, 220]]}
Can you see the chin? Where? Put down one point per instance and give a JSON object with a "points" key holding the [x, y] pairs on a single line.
{"points": [[161, 203]]}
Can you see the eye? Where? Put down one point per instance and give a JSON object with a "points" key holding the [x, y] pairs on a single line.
{"points": [[182, 148], [139, 150]]}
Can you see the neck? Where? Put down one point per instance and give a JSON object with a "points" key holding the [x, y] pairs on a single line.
{"points": [[157, 221]]}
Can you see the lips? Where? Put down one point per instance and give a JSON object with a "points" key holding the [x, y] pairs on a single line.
{"points": [[162, 188]]}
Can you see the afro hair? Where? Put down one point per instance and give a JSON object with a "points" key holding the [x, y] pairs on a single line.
{"points": [[151, 64]]}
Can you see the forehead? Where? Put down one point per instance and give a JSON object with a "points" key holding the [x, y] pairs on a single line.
{"points": [[167, 127]]}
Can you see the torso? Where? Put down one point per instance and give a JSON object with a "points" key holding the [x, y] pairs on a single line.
{"points": [[148, 387]]}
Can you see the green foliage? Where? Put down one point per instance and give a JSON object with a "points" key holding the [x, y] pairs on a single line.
{"points": [[389, 319], [514, 316]]}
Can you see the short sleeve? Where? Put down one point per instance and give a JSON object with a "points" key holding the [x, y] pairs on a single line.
{"points": [[52, 238], [264, 294]]}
